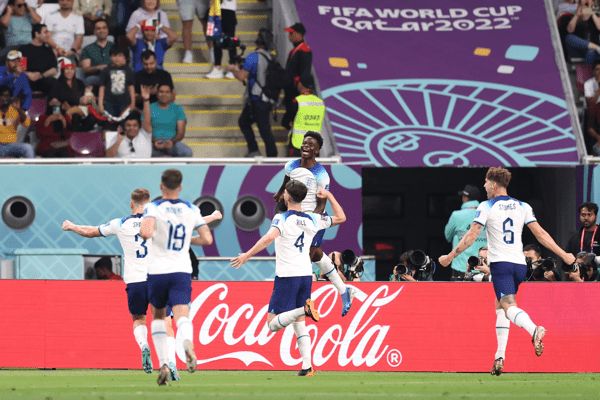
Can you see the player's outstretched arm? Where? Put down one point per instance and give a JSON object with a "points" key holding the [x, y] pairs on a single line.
{"points": [[147, 228], [205, 237], [82, 230], [215, 216], [546, 240], [338, 217], [464, 244], [260, 245]]}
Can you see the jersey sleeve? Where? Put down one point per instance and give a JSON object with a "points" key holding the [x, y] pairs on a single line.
{"points": [[323, 180], [110, 228], [529, 215], [288, 167], [150, 210], [199, 220], [323, 221], [277, 222], [482, 213]]}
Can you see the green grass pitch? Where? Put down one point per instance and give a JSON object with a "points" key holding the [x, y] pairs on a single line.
{"points": [[116, 385]]}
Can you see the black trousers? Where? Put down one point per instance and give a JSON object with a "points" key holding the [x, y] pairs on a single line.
{"points": [[259, 112]]}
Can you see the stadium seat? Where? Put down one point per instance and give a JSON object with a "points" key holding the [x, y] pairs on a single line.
{"points": [[38, 107], [87, 144]]}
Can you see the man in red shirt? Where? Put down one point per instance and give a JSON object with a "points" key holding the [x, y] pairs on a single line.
{"points": [[104, 270]]}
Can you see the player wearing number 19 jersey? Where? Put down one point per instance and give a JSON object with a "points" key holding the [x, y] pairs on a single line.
{"points": [[504, 218]]}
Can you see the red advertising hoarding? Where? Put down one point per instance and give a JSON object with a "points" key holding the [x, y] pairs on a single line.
{"points": [[391, 327]]}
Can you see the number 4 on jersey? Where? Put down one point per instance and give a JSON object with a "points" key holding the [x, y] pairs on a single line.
{"points": [[299, 243]]}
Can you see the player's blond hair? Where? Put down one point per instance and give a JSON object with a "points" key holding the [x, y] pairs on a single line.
{"points": [[499, 175]]}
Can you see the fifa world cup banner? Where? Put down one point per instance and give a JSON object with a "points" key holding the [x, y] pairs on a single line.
{"points": [[438, 83], [391, 327]]}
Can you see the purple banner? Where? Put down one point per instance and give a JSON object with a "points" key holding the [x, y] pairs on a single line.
{"points": [[432, 83]]}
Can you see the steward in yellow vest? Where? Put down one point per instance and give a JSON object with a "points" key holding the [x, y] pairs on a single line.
{"points": [[310, 115]]}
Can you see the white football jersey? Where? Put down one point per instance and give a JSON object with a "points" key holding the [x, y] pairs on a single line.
{"points": [[292, 247], [176, 220], [315, 179], [135, 248], [504, 219]]}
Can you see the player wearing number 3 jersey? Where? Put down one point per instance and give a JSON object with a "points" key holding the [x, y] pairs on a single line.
{"points": [[170, 223], [504, 218], [293, 232]]}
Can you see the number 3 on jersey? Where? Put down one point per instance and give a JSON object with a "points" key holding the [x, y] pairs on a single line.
{"points": [[299, 243], [509, 235], [139, 254]]}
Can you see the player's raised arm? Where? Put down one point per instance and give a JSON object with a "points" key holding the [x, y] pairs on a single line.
{"points": [[260, 245], [204, 238], [464, 244], [82, 230], [546, 240], [338, 217]]}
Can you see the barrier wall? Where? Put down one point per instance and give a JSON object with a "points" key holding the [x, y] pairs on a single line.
{"points": [[392, 327]]}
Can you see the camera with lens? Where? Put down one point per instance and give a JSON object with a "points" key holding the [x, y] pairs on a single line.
{"points": [[421, 263], [472, 272], [538, 267], [232, 43], [585, 260], [353, 265]]}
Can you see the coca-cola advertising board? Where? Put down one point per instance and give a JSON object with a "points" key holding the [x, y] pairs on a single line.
{"points": [[391, 327]]}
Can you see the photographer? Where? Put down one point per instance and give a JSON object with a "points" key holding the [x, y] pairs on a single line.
{"points": [[414, 266], [257, 106], [585, 268], [348, 265], [538, 268], [478, 269]]}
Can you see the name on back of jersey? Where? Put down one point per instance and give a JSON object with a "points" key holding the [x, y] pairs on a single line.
{"points": [[173, 210], [506, 207]]}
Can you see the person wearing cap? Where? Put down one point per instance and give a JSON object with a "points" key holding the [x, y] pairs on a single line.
{"points": [[310, 112], [11, 116], [150, 41], [458, 224], [66, 28], [257, 107], [40, 62], [298, 66], [12, 76]]}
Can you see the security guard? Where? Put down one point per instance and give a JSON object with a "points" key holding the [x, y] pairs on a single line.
{"points": [[309, 117]]}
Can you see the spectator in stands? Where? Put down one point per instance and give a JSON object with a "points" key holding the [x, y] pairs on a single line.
{"points": [[12, 76], [96, 56], [150, 41], [18, 19], [131, 141], [151, 76], [121, 15], [257, 106], [40, 61], [116, 94], [104, 270], [149, 9], [12, 115], [582, 33], [587, 238], [593, 128], [66, 28], [92, 11], [53, 131], [187, 9], [298, 65], [166, 121], [228, 23], [458, 224]]}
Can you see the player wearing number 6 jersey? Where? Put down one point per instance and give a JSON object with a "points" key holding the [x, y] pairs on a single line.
{"points": [[170, 223], [293, 232], [504, 218], [135, 261]]}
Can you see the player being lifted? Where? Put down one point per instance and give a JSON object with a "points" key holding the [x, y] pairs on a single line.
{"points": [[504, 218], [314, 176], [291, 230], [170, 222]]}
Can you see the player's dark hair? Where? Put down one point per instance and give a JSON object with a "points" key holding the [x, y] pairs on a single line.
{"points": [[140, 196], [297, 190], [533, 247], [171, 179], [593, 207], [315, 135], [499, 175]]}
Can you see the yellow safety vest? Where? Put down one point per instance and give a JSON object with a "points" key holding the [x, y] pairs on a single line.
{"points": [[311, 111]]}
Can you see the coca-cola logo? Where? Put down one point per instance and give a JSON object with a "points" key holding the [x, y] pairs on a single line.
{"points": [[242, 334]]}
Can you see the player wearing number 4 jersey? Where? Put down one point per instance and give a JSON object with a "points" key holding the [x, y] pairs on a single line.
{"points": [[293, 231], [504, 218], [170, 223]]}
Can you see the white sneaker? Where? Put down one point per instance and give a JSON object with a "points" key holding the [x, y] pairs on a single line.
{"points": [[188, 58], [215, 73], [229, 75]]}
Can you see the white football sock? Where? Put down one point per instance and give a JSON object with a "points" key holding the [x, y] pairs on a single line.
{"points": [[140, 333], [303, 339], [502, 330], [185, 331], [521, 319], [330, 271], [171, 346], [159, 337], [284, 319]]}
